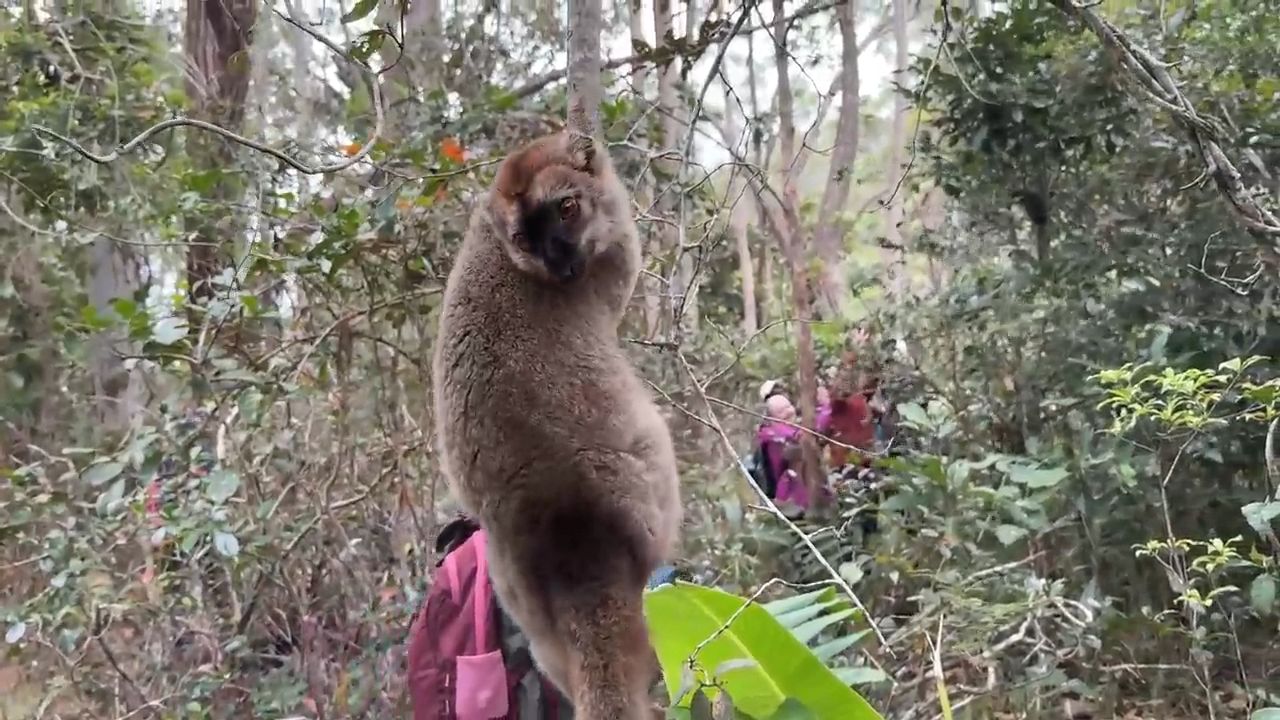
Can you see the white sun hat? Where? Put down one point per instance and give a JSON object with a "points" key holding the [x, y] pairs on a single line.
{"points": [[767, 388]]}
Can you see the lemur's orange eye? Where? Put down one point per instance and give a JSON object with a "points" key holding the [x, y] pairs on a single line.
{"points": [[568, 208]]}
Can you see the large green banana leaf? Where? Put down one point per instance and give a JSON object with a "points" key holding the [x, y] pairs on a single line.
{"points": [[758, 661]]}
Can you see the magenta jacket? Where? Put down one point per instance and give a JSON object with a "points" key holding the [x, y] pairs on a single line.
{"points": [[773, 435]]}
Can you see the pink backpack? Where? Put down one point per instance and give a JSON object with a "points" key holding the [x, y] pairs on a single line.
{"points": [[466, 660]]}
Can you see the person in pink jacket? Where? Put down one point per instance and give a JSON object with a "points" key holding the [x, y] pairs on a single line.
{"points": [[773, 436], [779, 436]]}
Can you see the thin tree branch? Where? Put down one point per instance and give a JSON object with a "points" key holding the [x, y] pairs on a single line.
{"points": [[920, 93], [536, 85], [712, 74], [23, 223], [1158, 86], [226, 134]]}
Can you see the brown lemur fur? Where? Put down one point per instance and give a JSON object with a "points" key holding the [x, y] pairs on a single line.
{"points": [[548, 436]]}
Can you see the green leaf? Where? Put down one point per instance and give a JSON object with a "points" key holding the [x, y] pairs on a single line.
{"points": [[861, 675], [1234, 365], [683, 615], [15, 633], [810, 630], [251, 304], [1263, 394], [221, 485], [501, 100], [100, 473], [1262, 594], [987, 461], [1036, 477], [113, 493], [361, 9], [202, 181], [785, 605], [226, 544], [364, 47], [1156, 351], [170, 330], [793, 709], [125, 307], [1260, 514], [90, 316], [913, 414], [729, 666], [831, 648], [795, 618], [1009, 534], [1270, 713]]}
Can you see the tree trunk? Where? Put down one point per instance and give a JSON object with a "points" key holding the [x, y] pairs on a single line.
{"points": [[551, 13], [307, 95], [114, 273], [791, 236], [218, 34], [688, 260], [768, 285], [666, 169], [739, 216], [829, 234], [640, 72], [269, 288], [892, 257], [739, 213], [765, 301], [584, 58], [642, 191], [421, 64]]}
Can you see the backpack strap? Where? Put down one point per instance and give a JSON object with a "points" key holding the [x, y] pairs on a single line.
{"points": [[770, 480]]}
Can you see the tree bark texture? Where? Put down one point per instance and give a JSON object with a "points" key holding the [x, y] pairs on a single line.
{"points": [[740, 211], [892, 257], [689, 259], [828, 237], [689, 315], [791, 237], [217, 37], [584, 59], [114, 273], [768, 293], [642, 192], [666, 169], [421, 65], [739, 220]]}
